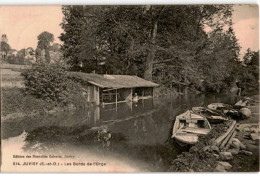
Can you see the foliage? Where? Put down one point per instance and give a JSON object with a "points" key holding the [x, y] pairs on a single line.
{"points": [[44, 41], [251, 57], [167, 44], [16, 60], [5, 47], [15, 101], [50, 83], [248, 72], [219, 60]]}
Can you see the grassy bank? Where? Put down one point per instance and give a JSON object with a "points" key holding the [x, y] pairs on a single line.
{"points": [[17, 104]]}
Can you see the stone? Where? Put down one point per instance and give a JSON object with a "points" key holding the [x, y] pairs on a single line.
{"points": [[214, 149], [234, 151], [235, 145], [226, 165], [235, 140], [242, 146], [247, 152], [216, 155], [226, 155], [206, 149], [247, 129], [220, 168], [254, 136], [255, 130], [246, 113]]}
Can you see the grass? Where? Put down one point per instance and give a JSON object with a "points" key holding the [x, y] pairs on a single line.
{"points": [[15, 101]]}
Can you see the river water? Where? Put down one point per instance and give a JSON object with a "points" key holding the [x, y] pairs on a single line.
{"points": [[127, 137]]}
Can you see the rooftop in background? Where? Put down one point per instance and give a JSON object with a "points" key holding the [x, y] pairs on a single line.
{"points": [[113, 81]]}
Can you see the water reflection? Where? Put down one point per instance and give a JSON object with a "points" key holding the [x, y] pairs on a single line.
{"points": [[138, 131]]}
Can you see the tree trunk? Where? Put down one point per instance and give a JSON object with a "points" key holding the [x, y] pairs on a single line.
{"points": [[148, 73], [47, 56]]}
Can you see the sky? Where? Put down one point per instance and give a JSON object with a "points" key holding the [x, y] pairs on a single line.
{"points": [[22, 24]]}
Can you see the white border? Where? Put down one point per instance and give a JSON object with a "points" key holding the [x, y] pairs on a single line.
{"points": [[132, 2]]}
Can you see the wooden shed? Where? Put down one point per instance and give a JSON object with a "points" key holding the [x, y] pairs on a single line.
{"points": [[113, 89]]}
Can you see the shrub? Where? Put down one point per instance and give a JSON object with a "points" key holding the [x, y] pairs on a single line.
{"points": [[50, 83]]}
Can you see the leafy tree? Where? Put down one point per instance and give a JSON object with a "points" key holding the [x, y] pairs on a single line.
{"points": [[248, 72], [55, 47], [132, 38], [255, 59], [167, 44], [21, 53], [44, 41], [251, 57], [5, 47], [219, 60], [80, 41]]}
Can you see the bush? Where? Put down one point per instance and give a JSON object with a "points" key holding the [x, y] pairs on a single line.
{"points": [[51, 83]]}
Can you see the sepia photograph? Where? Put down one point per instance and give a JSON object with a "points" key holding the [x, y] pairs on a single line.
{"points": [[129, 88]]}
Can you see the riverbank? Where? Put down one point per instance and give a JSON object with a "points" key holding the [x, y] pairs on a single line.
{"points": [[16, 104], [203, 157]]}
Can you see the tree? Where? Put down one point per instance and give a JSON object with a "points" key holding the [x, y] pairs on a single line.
{"points": [[55, 47], [44, 41], [4, 49], [251, 57], [167, 44], [80, 42], [127, 36], [219, 60], [248, 72]]}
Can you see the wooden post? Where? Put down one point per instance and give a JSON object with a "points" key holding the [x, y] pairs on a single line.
{"points": [[116, 99], [153, 92], [97, 96], [102, 95], [131, 98], [116, 96]]}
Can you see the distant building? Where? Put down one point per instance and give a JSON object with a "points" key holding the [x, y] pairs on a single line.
{"points": [[113, 89], [55, 54], [30, 55], [4, 38], [29, 51]]}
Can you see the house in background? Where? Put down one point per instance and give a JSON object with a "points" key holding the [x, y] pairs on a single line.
{"points": [[113, 89], [30, 55]]}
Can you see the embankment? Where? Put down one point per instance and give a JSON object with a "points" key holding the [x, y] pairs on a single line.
{"points": [[242, 154]]}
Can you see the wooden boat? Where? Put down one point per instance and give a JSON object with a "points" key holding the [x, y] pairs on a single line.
{"points": [[188, 126], [211, 115], [225, 110]]}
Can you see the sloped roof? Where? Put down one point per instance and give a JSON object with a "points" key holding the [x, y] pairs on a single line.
{"points": [[113, 81]]}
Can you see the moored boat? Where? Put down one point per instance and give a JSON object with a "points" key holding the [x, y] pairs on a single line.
{"points": [[211, 115], [225, 110], [188, 126]]}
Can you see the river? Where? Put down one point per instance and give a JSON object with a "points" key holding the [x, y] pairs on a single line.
{"points": [[127, 137]]}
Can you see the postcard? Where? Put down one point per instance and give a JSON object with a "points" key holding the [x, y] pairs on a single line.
{"points": [[130, 88]]}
